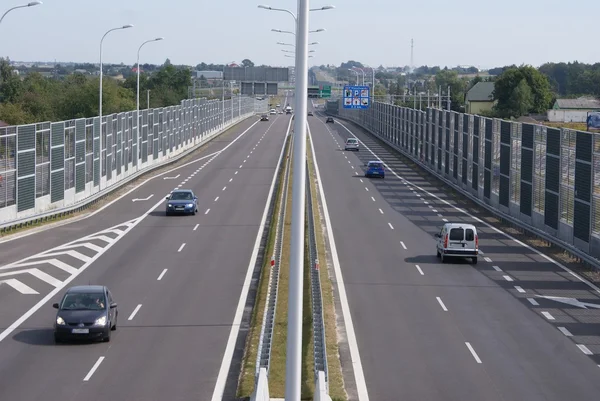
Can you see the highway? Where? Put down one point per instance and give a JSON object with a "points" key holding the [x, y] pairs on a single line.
{"points": [[453, 331], [177, 281]]}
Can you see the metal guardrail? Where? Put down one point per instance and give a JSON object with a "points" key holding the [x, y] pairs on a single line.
{"points": [[319, 344], [94, 198], [580, 255], [263, 356]]}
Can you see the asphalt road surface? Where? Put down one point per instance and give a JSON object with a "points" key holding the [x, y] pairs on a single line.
{"points": [[177, 281], [453, 331]]}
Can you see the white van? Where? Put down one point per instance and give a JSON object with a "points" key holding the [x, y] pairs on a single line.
{"points": [[457, 240]]}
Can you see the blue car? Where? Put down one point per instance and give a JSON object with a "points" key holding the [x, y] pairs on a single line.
{"points": [[182, 201], [375, 169]]}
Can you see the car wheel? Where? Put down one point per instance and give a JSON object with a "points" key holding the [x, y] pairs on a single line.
{"points": [[437, 253], [194, 213], [114, 326], [442, 259], [474, 260]]}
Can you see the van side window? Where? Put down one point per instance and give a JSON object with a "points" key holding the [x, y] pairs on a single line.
{"points": [[456, 234], [469, 235]]}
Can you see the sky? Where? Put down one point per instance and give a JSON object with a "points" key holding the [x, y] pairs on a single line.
{"points": [[485, 34]]}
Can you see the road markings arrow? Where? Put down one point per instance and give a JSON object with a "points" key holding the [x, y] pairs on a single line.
{"points": [[142, 199], [572, 301], [171, 178]]}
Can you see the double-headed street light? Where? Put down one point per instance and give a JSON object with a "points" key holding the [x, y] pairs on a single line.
{"points": [[356, 72], [31, 4], [289, 44], [293, 33], [291, 13], [100, 106]]}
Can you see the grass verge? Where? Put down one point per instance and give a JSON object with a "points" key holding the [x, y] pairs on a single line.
{"points": [[278, 347], [337, 391], [247, 375]]}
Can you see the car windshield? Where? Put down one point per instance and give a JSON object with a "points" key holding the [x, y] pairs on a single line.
{"points": [[375, 165], [351, 140], [84, 301], [181, 196]]}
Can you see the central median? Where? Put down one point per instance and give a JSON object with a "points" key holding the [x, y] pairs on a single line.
{"points": [[277, 364]]}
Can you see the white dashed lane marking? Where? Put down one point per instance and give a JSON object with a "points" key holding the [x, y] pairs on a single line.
{"points": [[162, 274], [402, 243], [181, 247]]}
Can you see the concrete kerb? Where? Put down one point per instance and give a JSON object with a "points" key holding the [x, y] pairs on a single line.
{"points": [[570, 249], [92, 200]]}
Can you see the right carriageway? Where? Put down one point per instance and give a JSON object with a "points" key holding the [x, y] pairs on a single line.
{"points": [[452, 331]]}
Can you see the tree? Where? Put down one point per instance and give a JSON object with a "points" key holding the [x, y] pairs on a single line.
{"points": [[247, 63], [448, 78], [507, 82], [521, 100]]}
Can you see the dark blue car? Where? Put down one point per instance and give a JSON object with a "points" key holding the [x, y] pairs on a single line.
{"points": [[182, 201], [375, 169]]}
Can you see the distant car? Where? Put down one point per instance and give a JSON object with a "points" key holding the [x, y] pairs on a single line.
{"points": [[280, 111], [375, 169], [272, 111], [264, 117], [457, 240], [310, 113], [329, 120], [288, 112], [182, 201], [278, 105], [85, 312], [351, 144]]}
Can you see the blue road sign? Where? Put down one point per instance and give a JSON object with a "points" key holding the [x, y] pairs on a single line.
{"points": [[356, 97]]}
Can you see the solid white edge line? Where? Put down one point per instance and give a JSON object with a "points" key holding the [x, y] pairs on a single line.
{"points": [[473, 352], [181, 247], [442, 304], [162, 274], [359, 375], [87, 216], [477, 219], [93, 369], [239, 312], [135, 311]]}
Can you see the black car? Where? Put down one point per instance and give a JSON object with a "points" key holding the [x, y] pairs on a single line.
{"points": [[182, 201], [86, 312], [288, 112], [310, 113], [264, 117], [329, 120]]}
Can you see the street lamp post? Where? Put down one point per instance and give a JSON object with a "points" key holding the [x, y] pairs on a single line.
{"points": [[100, 95], [138, 91], [31, 4], [356, 72], [293, 368]]}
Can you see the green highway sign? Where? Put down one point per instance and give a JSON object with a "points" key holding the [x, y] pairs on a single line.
{"points": [[325, 91]]}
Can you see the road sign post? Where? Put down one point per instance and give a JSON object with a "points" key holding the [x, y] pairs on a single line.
{"points": [[356, 97]]}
